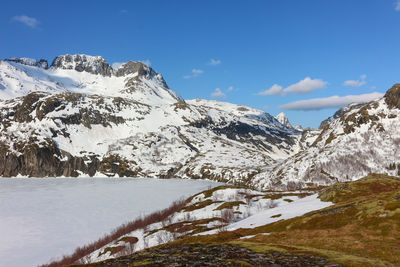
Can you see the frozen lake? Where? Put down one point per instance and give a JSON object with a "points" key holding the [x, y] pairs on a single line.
{"points": [[45, 218]]}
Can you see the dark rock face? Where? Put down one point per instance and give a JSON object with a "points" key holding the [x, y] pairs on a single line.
{"points": [[47, 160], [141, 69], [213, 255], [94, 65], [131, 67], [392, 96], [42, 63]]}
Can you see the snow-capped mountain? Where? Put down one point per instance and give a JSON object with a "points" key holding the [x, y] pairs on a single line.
{"points": [[281, 117], [360, 139], [81, 117]]}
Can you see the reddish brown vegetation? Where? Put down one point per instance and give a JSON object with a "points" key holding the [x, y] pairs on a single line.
{"points": [[124, 229]]}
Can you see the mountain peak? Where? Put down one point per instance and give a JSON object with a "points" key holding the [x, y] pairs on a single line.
{"points": [[282, 118], [81, 62]]}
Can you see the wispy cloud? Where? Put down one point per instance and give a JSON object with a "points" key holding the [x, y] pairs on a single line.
{"points": [[28, 21], [397, 5], [330, 102], [214, 62], [356, 83], [307, 85], [218, 93], [123, 11], [195, 73], [230, 88]]}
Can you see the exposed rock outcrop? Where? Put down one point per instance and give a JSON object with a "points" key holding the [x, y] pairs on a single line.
{"points": [[392, 96], [91, 64]]}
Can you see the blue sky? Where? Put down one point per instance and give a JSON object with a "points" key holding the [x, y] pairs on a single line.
{"points": [[287, 55]]}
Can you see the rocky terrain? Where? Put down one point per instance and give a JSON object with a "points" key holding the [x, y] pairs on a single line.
{"points": [[213, 255]]}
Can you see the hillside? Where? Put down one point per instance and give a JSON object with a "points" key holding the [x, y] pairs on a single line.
{"points": [[136, 125], [361, 229], [361, 139]]}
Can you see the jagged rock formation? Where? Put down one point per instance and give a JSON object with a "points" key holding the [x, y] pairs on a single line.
{"points": [[94, 65], [81, 117]]}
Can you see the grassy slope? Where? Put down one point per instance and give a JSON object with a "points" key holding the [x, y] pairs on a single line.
{"points": [[362, 228]]}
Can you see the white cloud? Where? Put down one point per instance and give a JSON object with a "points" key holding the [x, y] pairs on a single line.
{"points": [[304, 86], [28, 21], [146, 62], [356, 83], [218, 93], [214, 62], [275, 89], [397, 5], [307, 85], [124, 11], [195, 73], [330, 102], [116, 65], [229, 89]]}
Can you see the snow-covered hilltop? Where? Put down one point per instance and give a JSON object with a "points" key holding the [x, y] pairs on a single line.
{"points": [[81, 117]]}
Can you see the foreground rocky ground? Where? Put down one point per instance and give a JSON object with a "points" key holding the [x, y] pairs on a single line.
{"points": [[213, 255]]}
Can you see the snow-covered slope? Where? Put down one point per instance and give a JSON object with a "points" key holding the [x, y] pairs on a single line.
{"points": [[364, 139], [81, 117]]}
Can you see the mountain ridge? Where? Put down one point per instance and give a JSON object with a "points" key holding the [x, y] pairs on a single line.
{"points": [[139, 127]]}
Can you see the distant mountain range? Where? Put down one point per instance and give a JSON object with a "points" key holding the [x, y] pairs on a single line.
{"points": [[79, 116]]}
